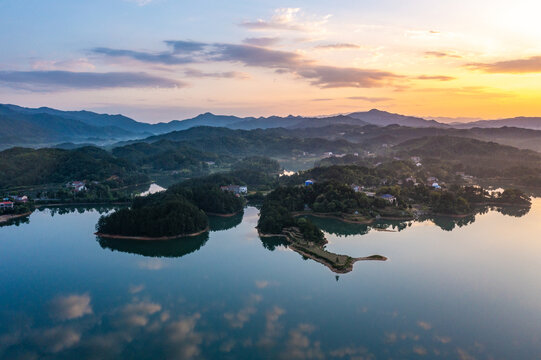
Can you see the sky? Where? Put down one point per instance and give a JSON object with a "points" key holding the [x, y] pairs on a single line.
{"points": [[159, 60]]}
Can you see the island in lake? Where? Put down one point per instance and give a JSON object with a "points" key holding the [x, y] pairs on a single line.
{"points": [[181, 211]]}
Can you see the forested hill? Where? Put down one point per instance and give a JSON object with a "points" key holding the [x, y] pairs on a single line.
{"points": [[23, 167], [452, 147], [271, 142]]}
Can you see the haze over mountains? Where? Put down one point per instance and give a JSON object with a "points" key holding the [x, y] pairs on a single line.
{"points": [[20, 126]]}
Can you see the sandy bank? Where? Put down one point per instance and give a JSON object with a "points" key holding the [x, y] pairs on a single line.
{"points": [[148, 238]]}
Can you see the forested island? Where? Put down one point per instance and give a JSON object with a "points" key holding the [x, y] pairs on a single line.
{"points": [[178, 212]]}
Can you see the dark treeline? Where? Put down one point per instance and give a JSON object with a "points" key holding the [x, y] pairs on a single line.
{"points": [[180, 210]]}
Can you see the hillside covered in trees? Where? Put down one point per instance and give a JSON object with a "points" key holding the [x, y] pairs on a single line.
{"points": [[23, 167], [179, 211]]}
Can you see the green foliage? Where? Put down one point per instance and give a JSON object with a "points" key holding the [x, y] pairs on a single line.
{"points": [[257, 163], [179, 210], [174, 216], [24, 167]]}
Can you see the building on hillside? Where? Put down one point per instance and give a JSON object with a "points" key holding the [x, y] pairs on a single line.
{"points": [[235, 189], [77, 186], [416, 159], [328, 154], [412, 180], [389, 198], [6, 205], [357, 188], [369, 193], [436, 186], [309, 182], [22, 199], [432, 179]]}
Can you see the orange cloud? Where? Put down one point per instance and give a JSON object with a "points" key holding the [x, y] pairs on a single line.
{"points": [[517, 66]]}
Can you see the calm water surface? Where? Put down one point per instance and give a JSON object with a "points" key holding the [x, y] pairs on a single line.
{"points": [[469, 290]]}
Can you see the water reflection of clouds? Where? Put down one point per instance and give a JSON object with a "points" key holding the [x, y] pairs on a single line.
{"points": [[151, 264], [241, 317], [273, 327], [70, 307]]}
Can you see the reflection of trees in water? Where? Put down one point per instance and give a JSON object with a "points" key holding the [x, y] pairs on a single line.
{"points": [[513, 211], [271, 243], [339, 228], [449, 223], [219, 223], [63, 210], [170, 248], [16, 221], [392, 225]]}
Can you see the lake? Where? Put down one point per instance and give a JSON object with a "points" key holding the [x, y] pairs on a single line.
{"points": [[466, 288]]}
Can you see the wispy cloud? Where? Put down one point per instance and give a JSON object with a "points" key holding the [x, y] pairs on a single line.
{"points": [[338, 46], [441, 54], [290, 19], [517, 66], [334, 77], [262, 41], [58, 80], [435, 77], [81, 64], [195, 73], [324, 76], [166, 58], [369, 99]]}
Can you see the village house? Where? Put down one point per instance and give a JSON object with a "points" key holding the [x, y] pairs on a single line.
{"points": [[6, 205], [77, 186], [22, 199], [357, 188], [309, 182], [411, 179], [235, 189], [389, 198]]}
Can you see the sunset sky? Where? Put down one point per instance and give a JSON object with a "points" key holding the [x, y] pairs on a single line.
{"points": [[158, 60]]}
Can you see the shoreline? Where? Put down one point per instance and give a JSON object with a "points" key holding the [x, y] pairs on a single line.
{"points": [[324, 257], [7, 218], [84, 203], [223, 215], [367, 221], [149, 238]]}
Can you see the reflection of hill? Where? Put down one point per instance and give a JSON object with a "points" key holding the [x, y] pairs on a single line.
{"points": [[341, 228], [16, 221], [513, 211], [449, 223], [81, 209], [170, 248], [271, 243], [219, 223]]}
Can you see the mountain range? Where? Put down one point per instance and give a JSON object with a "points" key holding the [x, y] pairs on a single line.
{"points": [[36, 127]]}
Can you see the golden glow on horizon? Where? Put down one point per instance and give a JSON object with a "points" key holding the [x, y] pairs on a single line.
{"points": [[472, 59]]}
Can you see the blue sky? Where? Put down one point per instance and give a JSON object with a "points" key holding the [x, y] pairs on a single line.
{"points": [[449, 58]]}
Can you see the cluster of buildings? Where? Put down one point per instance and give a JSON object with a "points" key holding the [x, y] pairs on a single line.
{"points": [[329, 154], [77, 186], [9, 202], [235, 189], [359, 188]]}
